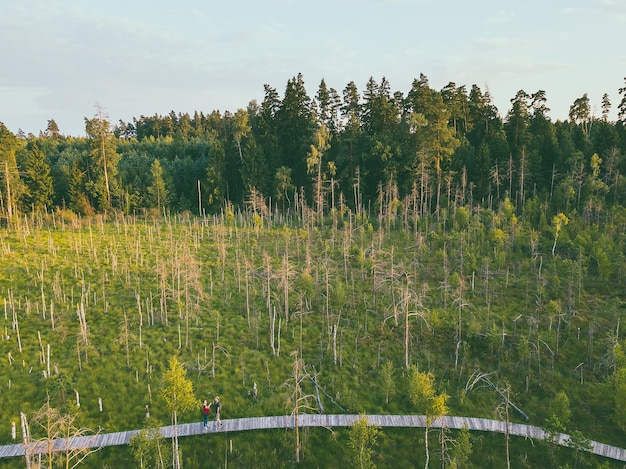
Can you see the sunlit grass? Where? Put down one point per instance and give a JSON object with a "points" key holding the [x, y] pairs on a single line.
{"points": [[215, 296]]}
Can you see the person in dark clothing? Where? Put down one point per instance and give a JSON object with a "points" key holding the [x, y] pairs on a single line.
{"points": [[218, 407]]}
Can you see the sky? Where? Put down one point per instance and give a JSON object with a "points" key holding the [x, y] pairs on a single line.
{"points": [[61, 59]]}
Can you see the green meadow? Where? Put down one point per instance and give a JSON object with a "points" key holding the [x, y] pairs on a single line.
{"points": [[94, 308]]}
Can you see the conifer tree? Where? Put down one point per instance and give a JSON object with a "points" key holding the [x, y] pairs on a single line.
{"points": [[101, 171], [39, 191], [11, 186]]}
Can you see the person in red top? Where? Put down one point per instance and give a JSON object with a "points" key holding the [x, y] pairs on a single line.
{"points": [[206, 410]]}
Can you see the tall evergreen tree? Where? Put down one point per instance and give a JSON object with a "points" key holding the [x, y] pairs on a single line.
{"points": [[295, 127], [351, 109], [621, 108], [264, 128], [380, 114], [517, 126], [580, 113], [351, 138], [328, 103], [456, 101], [254, 171], [239, 128], [11, 186], [517, 123], [421, 95], [77, 197], [52, 130], [606, 107], [101, 171], [543, 156], [435, 139], [483, 115], [36, 175], [441, 141], [380, 161], [215, 176]]}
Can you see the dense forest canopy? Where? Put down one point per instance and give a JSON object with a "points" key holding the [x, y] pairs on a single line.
{"points": [[436, 149]]}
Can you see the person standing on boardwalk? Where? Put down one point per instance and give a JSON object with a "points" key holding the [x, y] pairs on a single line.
{"points": [[218, 408], [206, 410]]}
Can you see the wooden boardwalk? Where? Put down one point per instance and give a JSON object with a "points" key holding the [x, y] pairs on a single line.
{"points": [[307, 420]]}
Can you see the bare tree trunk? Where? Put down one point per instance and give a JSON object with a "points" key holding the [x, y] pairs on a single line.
{"points": [[104, 158], [406, 337], [285, 275], [297, 392], [247, 293], [426, 443], [199, 199], [9, 199], [26, 440], [16, 325], [443, 445], [126, 340], [138, 298], [335, 343], [175, 455]]}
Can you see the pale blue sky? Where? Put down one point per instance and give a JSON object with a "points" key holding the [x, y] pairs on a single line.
{"points": [[61, 57]]}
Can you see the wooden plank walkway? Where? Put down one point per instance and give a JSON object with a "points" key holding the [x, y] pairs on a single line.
{"points": [[307, 420]]}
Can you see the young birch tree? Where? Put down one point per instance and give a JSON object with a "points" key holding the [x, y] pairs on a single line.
{"points": [[148, 448], [422, 394], [177, 392], [558, 221], [387, 380], [157, 193], [362, 439]]}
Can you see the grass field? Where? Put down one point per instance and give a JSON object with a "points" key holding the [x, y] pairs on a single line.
{"points": [[94, 308]]}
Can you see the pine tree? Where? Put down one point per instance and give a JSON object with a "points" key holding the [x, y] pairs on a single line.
{"points": [[101, 175], [39, 191], [295, 125], [11, 186]]}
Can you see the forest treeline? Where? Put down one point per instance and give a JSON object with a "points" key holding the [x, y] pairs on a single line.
{"points": [[428, 151]]}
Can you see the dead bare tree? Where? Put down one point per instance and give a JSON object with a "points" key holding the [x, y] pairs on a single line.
{"points": [[125, 338], [60, 427], [213, 361], [286, 274], [481, 379], [297, 400], [26, 440], [460, 303], [416, 300], [83, 336], [15, 323]]}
